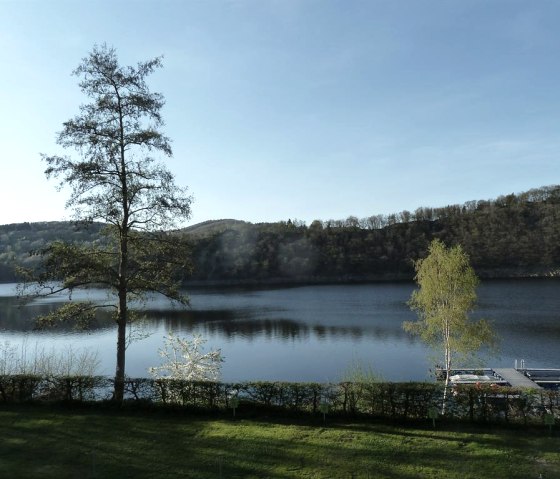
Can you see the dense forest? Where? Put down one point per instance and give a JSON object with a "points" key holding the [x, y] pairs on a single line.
{"points": [[513, 235]]}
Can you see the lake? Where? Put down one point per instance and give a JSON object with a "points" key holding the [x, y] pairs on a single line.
{"points": [[307, 333]]}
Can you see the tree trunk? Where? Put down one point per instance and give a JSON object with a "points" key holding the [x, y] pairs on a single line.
{"points": [[122, 318], [121, 349], [445, 388], [123, 266], [447, 367]]}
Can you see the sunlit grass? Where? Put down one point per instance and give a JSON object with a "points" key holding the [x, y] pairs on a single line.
{"points": [[54, 443]]}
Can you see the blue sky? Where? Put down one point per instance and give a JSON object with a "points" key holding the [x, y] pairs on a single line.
{"points": [[300, 109]]}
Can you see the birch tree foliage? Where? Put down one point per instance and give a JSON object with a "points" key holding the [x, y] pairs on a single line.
{"points": [[445, 296]]}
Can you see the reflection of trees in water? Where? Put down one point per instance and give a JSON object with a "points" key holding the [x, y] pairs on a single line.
{"points": [[14, 317], [243, 323], [326, 332], [356, 332], [229, 325], [246, 324], [541, 328], [283, 329], [17, 317]]}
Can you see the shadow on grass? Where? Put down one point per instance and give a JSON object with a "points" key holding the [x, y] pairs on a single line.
{"points": [[57, 443]]}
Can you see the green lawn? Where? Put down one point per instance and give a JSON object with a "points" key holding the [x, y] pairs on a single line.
{"points": [[38, 442]]}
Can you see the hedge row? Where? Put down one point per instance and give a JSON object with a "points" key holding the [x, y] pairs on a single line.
{"points": [[401, 401]]}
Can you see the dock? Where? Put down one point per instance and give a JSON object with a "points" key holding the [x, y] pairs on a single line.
{"points": [[533, 378], [515, 378]]}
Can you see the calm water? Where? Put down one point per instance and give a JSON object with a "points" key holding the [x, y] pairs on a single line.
{"points": [[310, 333]]}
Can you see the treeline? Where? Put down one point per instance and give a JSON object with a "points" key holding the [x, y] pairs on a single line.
{"points": [[19, 242], [513, 235]]}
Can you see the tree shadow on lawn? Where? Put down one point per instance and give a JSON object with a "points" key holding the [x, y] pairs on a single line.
{"points": [[92, 444], [519, 450]]}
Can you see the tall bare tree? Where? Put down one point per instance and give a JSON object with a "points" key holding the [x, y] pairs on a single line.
{"points": [[114, 179]]}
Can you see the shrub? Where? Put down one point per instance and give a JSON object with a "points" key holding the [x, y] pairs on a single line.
{"points": [[396, 401]]}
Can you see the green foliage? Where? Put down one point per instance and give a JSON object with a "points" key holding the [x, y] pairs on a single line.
{"points": [[382, 400], [447, 293], [360, 383], [116, 180], [22, 243], [357, 372], [513, 237], [517, 236], [80, 314]]}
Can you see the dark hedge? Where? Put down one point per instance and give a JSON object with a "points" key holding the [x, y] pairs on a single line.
{"points": [[397, 401]]}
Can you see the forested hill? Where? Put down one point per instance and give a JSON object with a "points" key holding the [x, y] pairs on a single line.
{"points": [[19, 240], [513, 235]]}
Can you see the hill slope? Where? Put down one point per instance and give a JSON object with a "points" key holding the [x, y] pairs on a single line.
{"points": [[513, 235]]}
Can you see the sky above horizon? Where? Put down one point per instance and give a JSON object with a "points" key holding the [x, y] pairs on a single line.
{"points": [[307, 109]]}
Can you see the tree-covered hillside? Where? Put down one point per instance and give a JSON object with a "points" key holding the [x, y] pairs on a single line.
{"points": [[19, 241], [513, 235]]}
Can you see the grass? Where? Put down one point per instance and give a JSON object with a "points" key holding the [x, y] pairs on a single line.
{"points": [[38, 442]]}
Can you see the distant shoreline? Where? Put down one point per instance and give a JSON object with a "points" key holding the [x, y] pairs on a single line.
{"points": [[483, 275]]}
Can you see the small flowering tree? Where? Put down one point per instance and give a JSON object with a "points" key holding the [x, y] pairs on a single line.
{"points": [[185, 359]]}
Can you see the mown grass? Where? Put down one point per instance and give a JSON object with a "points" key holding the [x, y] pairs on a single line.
{"points": [[38, 442]]}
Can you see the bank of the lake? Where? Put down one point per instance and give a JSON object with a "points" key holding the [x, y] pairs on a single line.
{"points": [[484, 274]]}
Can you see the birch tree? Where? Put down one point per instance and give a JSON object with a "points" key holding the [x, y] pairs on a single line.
{"points": [[445, 296]]}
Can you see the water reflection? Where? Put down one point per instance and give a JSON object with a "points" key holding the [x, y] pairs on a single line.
{"points": [[18, 317], [299, 333], [251, 325]]}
